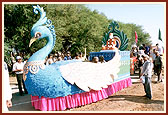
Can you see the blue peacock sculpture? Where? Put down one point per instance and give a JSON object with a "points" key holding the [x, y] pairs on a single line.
{"points": [[63, 78]]}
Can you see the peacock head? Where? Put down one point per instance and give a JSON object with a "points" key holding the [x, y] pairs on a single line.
{"points": [[38, 33]]}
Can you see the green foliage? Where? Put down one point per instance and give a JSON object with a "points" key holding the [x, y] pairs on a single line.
{"points": [[18, 21], [76, 27], [129, 29]]}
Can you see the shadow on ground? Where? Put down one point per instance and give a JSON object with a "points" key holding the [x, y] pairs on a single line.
{"points": [[21, 103], [136, 99]]}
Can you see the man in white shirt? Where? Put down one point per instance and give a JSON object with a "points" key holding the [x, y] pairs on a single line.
{"points": [[147, 72], [159, 49], [18, 69]]}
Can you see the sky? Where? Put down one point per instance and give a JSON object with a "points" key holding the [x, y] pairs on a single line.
{"points": [[150, 16]]}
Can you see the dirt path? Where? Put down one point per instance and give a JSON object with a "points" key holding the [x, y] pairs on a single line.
{"points": [[128, 99]]}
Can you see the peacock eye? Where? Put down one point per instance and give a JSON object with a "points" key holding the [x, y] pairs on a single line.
{"points": [[37, 35]]}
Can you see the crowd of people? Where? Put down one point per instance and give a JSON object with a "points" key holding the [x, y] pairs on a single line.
{"points": [[78, 56], [155, 54], [149, 62], [52, 58]]}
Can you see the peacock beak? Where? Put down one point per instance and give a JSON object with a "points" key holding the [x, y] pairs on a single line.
{"points": [[32, 40]]}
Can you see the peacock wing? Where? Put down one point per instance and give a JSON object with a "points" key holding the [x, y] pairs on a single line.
{"points": [[87, 75]]}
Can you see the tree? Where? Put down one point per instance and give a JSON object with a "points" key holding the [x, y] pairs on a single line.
{"points": [[18, 22], [76, 26], [129, 29]]}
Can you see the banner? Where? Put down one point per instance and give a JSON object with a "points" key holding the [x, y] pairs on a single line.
{"points": [[136, 37], [160, 35]]}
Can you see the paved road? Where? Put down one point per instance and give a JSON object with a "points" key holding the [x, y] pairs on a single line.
{"points": [[20, 103]]}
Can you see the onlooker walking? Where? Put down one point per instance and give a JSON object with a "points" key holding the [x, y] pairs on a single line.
{"points": [[60, 56], [25, 60], [81, 57], [59, 59], [7, 92], [140, 64], [55, 57], [158, 65], [50, 60], [95, 60], [134, 50], [77, 56], [147, 50], [101, 59], [153, 56], [147, 73], [13, 58], [18, 69], [68, 57], [159, 49]]}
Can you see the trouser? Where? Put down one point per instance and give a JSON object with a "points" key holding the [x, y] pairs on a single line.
{"points": [[159, 76], [147, 87], [140, 69], [154, 68], [158, 71], [20, 81]]}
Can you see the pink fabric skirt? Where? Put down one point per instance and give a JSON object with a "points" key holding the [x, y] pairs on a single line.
{"points": [[71, 101]]}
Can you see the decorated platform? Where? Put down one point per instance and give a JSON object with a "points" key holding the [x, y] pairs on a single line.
{"points": [[73, 83]]}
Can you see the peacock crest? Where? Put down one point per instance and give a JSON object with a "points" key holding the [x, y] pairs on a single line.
{"points": [[118, 36], [43, 21]]}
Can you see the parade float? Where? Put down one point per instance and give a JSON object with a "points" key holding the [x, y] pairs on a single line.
{"points": [[115, 39], [73, 83]]}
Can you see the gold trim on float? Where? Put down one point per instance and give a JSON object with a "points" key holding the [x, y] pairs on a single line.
{"points": [[117, 39], [33, 67]]}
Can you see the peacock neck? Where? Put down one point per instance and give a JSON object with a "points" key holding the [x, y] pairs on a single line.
{"points": [[41, 54]]}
